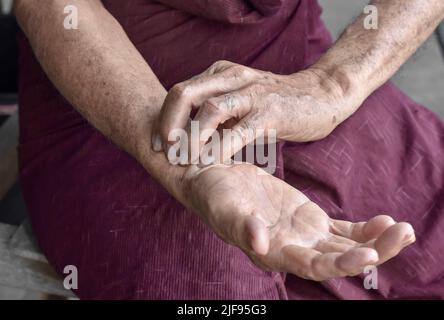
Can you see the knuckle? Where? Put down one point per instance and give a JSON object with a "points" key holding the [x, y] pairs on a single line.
{"points": [[211, 106], [238, 71], [220, 64], [316, 270], [180, 90], [176, 90]]}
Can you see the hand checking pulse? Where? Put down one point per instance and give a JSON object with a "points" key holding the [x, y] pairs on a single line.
{"points": [[277, 226], [305, 106]]}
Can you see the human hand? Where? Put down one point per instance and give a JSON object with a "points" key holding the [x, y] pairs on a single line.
{"points": [[280, 229], [305, 106]]}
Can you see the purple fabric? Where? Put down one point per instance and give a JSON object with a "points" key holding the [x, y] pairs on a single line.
{"points": [[93, 206], [234, 12]]}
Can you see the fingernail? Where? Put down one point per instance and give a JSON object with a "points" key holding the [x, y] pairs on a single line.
{"points": [[157, 143]]}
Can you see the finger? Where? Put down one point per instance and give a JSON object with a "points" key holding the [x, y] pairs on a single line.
{"points": [[361, 231], [310, 264], [185, 96], [233, 140], [349, 263], [216, 111], [355, 260], [392, 241], [156, 142], [324, 267], [297, 260]]}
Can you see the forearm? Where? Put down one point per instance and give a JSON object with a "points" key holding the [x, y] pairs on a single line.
{"points": [[98, 70], [362, 60]]}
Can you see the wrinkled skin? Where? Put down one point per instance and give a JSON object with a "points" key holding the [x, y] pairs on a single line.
{"points": [[305, 106], [280, 229], [288, 218], [277, 226]]}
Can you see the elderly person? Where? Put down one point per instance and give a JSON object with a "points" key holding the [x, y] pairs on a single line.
{"points": [[95, 116]]}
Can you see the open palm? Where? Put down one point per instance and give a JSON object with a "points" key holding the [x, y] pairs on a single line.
{"points": [[280, 229]]}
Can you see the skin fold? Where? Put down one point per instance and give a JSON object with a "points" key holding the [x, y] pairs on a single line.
{"points": [[99, 71]]}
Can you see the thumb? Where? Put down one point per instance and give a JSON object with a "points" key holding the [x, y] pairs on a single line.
{"points": [[254, 235]]}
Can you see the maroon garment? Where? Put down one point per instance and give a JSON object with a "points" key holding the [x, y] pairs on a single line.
{"points": [[95, 207]]}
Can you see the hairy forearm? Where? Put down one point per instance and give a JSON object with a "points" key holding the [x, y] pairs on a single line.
{"points": [[364, 59], [99, 71]]}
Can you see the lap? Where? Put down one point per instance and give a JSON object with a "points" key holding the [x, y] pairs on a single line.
{"points": [[94, 207]]}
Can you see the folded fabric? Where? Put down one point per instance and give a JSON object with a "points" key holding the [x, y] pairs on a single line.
{"points": [[231, 11]]}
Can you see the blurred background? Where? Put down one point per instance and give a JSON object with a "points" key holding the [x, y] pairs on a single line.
{"points": [[24, 272]]}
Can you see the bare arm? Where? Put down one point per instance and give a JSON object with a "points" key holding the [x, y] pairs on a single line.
{"points": [[99, 71]]}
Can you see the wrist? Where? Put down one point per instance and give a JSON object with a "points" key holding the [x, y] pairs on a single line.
{"points": [[338, 80], [157, 165]]}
